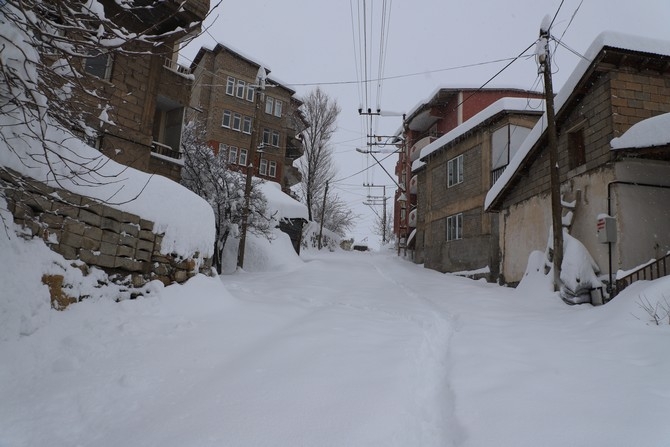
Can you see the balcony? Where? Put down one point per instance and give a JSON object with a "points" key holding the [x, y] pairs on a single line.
{"points": [[165, 150], [177, 68]]}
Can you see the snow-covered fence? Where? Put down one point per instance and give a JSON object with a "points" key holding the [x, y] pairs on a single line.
{"points": [[120, 243]]}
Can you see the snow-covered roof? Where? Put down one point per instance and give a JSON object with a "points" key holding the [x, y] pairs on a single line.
{"points": [[500, 106], [651, 132], [285, 206], [464, 87], [417, 165], [231, 49], [605, 39]]}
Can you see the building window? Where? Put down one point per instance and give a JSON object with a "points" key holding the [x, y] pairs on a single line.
{"points": [[505, 142], [455, 227], [241, 85], [576, 149], [237, 122], [275, 138], [250, 94], [278, 108], [223, 149], [455, 171], [230, 86], [99, 66], [263, 168], [272, 171], [266, 137], [232, 155], [243, 157], [269, 104], [246, 128], [226, 118]]}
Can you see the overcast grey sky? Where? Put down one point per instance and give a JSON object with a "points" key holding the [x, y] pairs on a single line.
{"points": [[317, 42]]}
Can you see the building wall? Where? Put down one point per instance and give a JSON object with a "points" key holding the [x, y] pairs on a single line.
{"points": [[471, 252], [614, 101], [479, 246], [140, 83]]}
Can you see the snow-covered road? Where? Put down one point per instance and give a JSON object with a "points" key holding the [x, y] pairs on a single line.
{"points": [[345, 349]]}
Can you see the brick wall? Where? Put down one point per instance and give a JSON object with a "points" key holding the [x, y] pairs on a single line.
{"points": [[614, 101], [122, 244]]}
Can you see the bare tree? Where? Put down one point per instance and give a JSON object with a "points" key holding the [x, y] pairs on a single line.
{"points": [[337, 216], [316, 166], [207, 174], [383, 226], [50, 51]]}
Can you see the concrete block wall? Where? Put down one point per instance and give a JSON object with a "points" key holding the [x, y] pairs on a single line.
{"points": [[120, 243]]}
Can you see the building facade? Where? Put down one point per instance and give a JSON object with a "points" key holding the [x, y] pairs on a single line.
{"points": [[624, 81], [148, 91], [446, 109], [460, 168], [227, 102]]}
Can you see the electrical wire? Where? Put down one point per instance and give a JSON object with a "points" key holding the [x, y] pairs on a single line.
{"points": [[571, 19], [556, 15], [361, 171]]}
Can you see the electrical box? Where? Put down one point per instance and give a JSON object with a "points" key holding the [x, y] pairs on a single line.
{"points": [[606, 229]]}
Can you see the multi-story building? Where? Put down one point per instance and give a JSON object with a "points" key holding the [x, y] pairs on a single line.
{"points": [[460, 168], [446, 108], [148, 91], [224, 100]]}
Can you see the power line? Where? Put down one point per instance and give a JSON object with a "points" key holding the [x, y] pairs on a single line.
{"points": [[556, 15], [407, 75], [496, 75], [571, 19], [361, 171]]}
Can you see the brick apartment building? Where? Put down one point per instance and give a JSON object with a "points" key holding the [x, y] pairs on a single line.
{"points": [[446, 109], [148, 90], [224, 100]]}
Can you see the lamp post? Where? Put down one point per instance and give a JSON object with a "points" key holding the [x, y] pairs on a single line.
{"points": [[260, 89]]}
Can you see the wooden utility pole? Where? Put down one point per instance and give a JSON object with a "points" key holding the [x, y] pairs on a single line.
{"points": [[323, 214], [384, 218], [555, 182], [260, 90]]}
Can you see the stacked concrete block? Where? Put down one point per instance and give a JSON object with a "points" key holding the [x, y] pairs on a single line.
{"points": [[120, 243]]}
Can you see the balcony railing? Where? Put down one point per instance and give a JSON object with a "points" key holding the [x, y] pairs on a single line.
{"points": [[496, 173], [165, 150], [177, 68]]}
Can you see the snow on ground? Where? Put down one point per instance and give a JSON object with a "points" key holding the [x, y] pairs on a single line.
{"points": [[337, 349]]}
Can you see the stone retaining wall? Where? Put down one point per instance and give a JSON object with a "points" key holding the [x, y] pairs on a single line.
{"points": [[120, 243]]}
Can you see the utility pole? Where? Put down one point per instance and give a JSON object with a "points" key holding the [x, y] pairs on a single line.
{"points": [[260, 90], [384, 218], [373, 201], [555, 182], [323, 214]]}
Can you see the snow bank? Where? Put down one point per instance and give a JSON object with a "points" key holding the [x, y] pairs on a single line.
{"points": [[261, 254], [68, 163]]}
